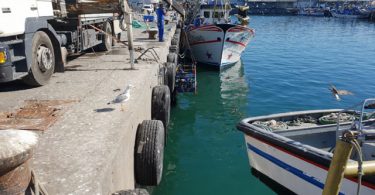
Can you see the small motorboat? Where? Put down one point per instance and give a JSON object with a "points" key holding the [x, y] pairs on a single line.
{"points": [[295, 149]]}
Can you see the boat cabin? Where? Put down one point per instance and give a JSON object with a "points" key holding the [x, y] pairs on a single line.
{"points": [[214, 14]]}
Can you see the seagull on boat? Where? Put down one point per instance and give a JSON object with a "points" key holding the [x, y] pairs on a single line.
{"points": [[336, 92]]}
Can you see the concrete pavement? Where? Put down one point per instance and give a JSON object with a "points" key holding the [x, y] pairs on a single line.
{"points": [[89, 149]]}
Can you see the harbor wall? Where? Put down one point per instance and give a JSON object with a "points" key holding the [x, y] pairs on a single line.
{"points": [[87, 146]]}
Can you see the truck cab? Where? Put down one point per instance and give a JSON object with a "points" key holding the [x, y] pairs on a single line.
{"points": [[14, 13], [36, 36], [13, 34]]}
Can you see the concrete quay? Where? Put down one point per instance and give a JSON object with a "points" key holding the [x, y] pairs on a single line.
{"points": [[89, 149]]}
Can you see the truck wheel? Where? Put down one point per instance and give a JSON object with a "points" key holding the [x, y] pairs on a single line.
{"points": [[43, 60], [107, 39], [161, 104], [149, 152]]}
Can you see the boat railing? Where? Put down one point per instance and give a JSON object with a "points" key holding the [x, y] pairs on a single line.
{"points": [[357, 124]]}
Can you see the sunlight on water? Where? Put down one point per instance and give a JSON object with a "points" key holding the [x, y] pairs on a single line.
{"points": [[288, 66]]}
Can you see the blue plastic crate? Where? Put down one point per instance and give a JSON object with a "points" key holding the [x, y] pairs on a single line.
{"points": [[148, 18]]}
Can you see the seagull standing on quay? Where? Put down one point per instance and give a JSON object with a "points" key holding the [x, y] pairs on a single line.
{"points": [[336, 92], [123, 97]]}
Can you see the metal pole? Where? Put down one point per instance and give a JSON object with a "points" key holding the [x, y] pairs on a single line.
{"points": [[367, 166], [337, 167], [128, 20]]}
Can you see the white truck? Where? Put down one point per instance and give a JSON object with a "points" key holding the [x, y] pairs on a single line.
{"points": [[37, 35]]}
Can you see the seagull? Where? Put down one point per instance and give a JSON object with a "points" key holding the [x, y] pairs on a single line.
{"points": [[336, 92], [122, 97]]}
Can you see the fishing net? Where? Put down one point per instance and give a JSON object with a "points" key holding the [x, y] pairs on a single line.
{"points": [[271, 125], [332, 118], [301, 120]]}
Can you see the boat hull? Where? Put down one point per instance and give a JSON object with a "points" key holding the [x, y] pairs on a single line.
{"points": [[361, 16], [219, 45], [300, 168]]}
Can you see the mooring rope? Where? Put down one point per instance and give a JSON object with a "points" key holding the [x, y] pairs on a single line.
{"points": [[358, 148], [38, 188]]}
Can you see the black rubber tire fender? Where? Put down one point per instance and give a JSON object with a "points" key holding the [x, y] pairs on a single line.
{"points": [[37, 76], [174, 41], [173, 49], [161, 104], [107, 39], [163, 75], [174, 98], [171, 75], [172, 58], [149, 152], [180, 24], [137, 191], [178, 31], [177, 37]]}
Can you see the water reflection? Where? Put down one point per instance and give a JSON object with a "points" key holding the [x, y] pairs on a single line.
{"points": [[205, 151]]}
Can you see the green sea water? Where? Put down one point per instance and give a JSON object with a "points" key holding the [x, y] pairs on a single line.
{"points": [[205, 154], [288, 66]]}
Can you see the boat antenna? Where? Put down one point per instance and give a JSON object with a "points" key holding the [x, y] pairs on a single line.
{"points": [[214, 14], [225, 8]]}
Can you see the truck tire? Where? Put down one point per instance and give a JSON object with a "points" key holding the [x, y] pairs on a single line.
{"points": [[107, 39], [43, 60], [161, 104], [149, 153], [171, 75]]}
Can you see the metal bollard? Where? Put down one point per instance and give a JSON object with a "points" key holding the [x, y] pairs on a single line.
{"points": [[16, 148]]}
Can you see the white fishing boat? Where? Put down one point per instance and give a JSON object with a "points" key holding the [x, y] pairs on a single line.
{"points": [[295, 149], [214, 39]]}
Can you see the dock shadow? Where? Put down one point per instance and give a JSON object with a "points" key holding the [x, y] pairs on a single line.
{"points": [[99, 69], [276, 187], [16, 85]]}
